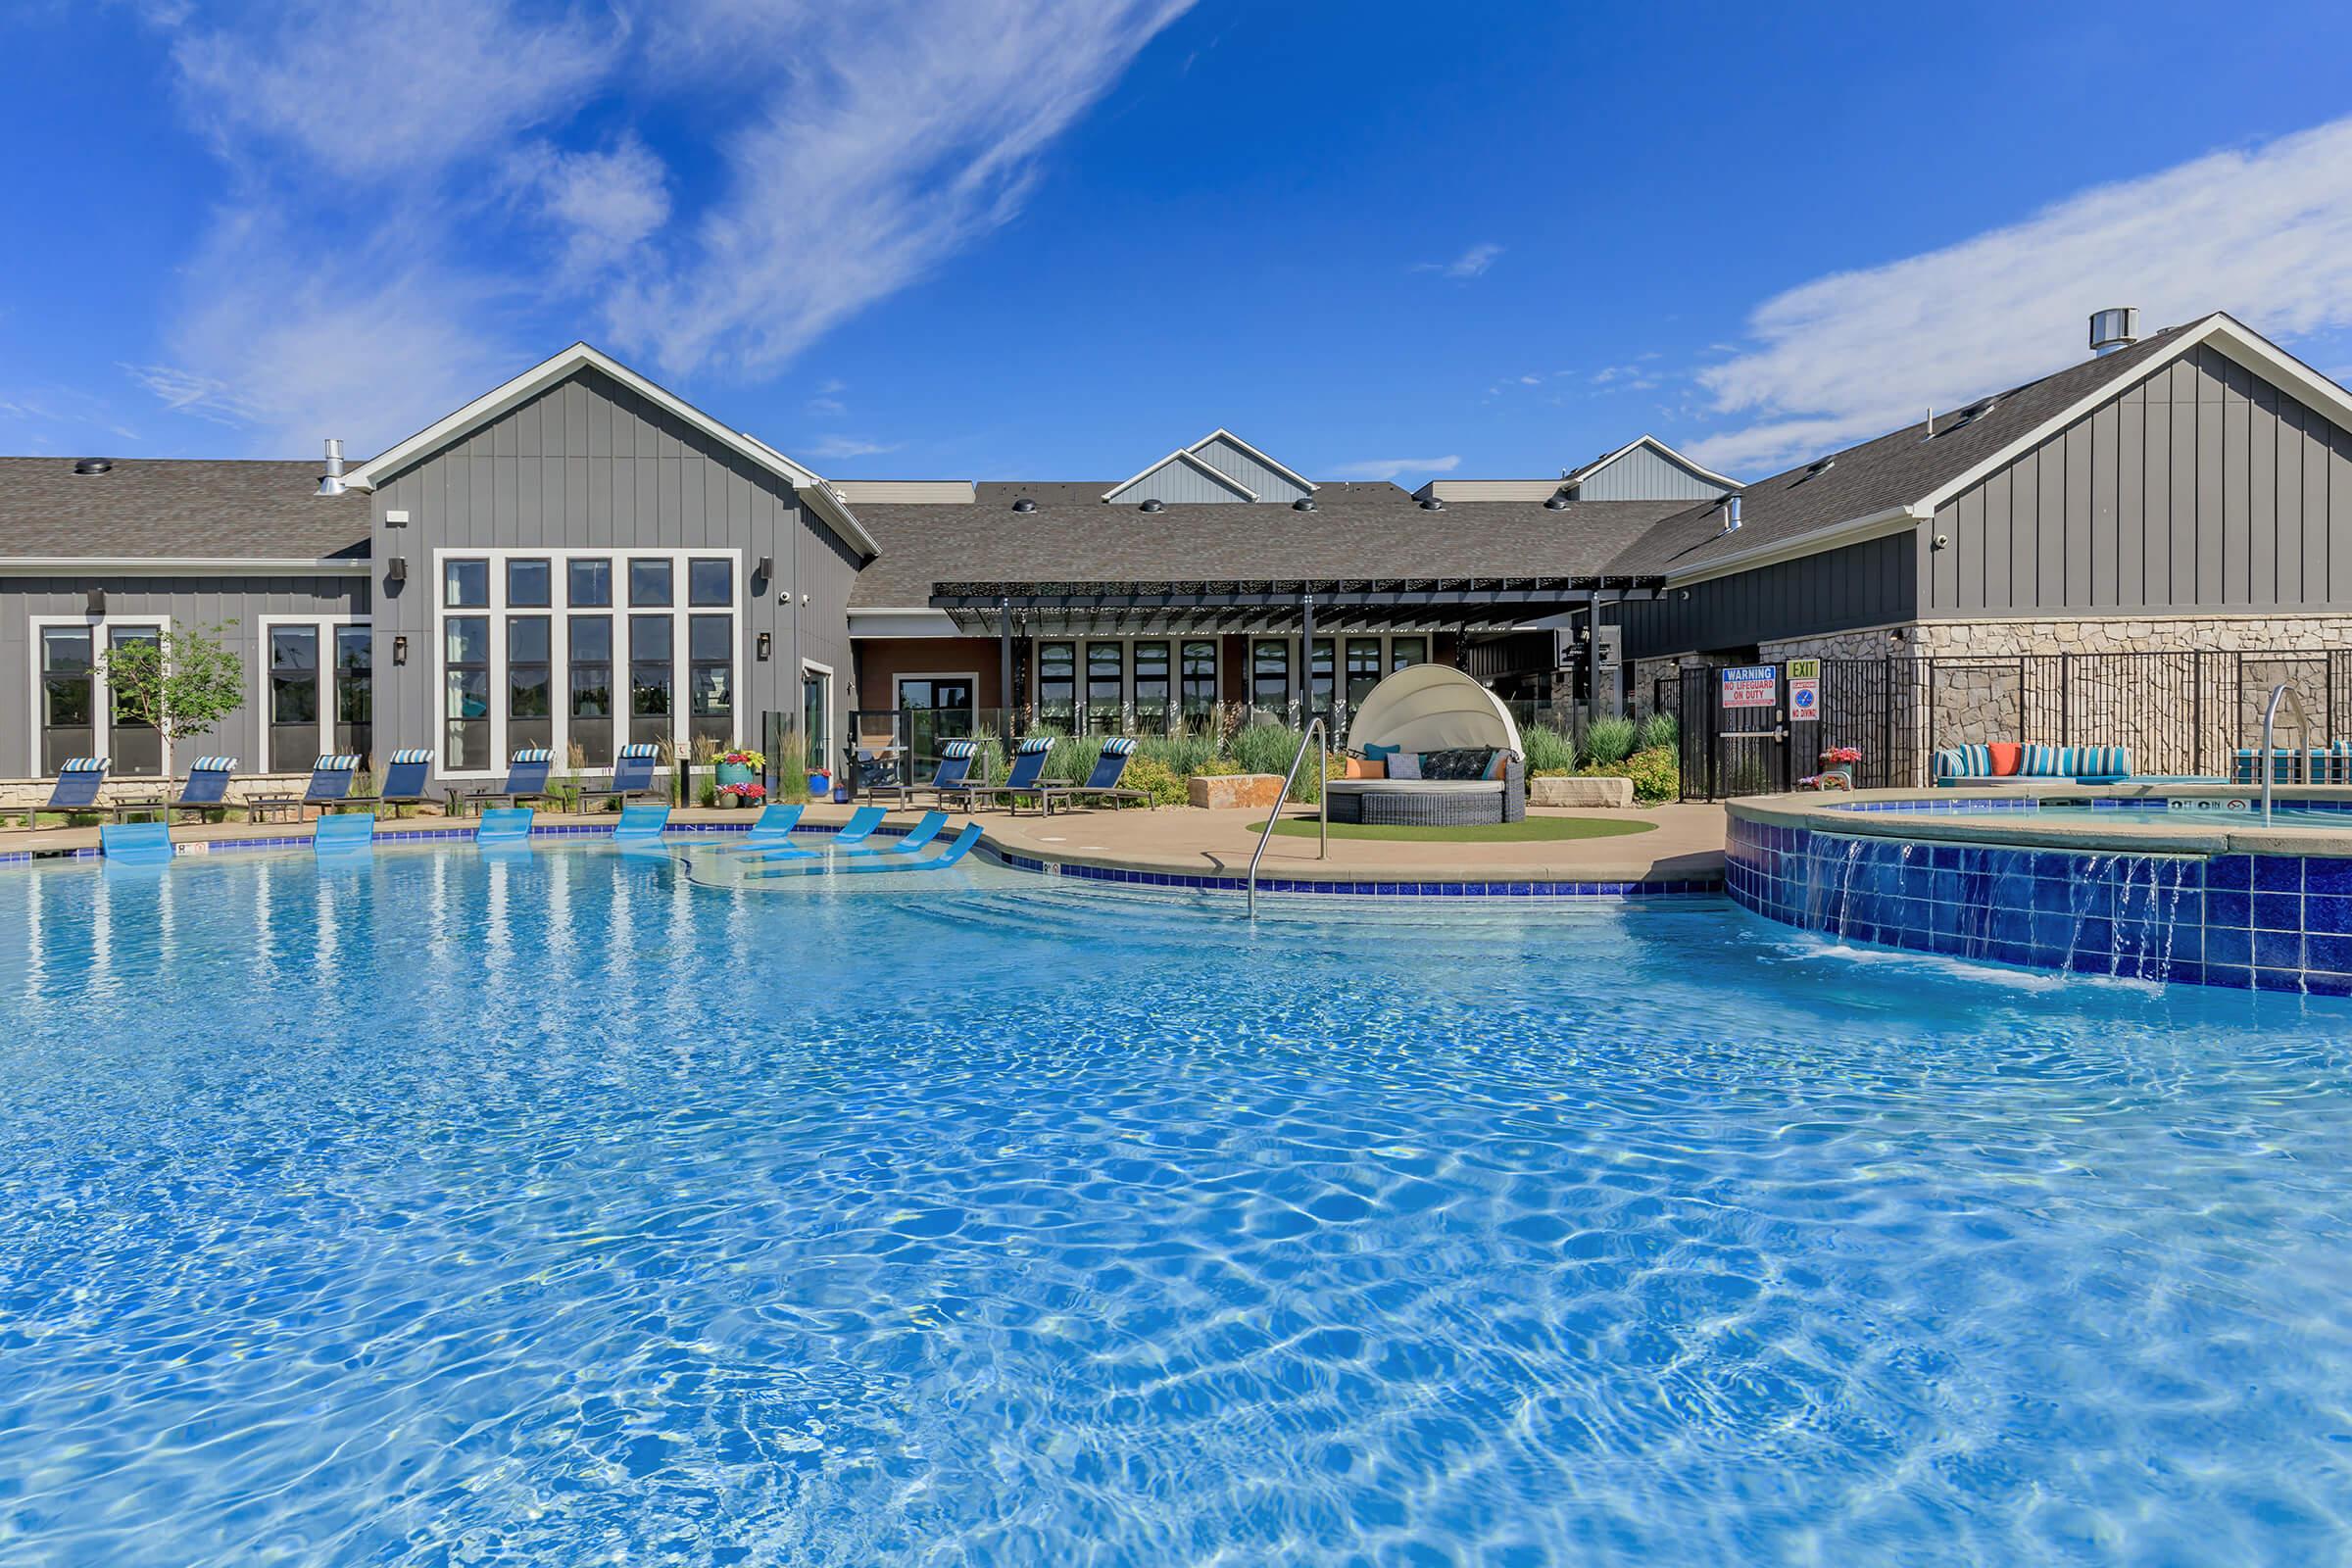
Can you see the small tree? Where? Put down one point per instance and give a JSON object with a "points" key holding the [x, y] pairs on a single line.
{"points": [[182, 683]]}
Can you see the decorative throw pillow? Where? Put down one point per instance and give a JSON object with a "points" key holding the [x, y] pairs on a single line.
{"points": [[1457, 762], [1405, 765], [2007, 757], [1381, 752]]}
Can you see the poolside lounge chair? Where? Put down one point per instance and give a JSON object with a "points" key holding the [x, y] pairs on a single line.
{"points": [[331, 787], [952, 776], [403, 781], [641, 824], [526, 780], [632, 774], [856, 831], [344, 833], [76, 789], [775, 826], [204, 789], [1104, 782], [503, 824], [907, 843], [882, 863], [135, 843], [1025, 777]]}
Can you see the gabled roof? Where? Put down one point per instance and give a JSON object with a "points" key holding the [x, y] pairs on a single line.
{"points": [[1220, 434], [501, 399], [1580, 475], [1186, 456], [1891, 483]]}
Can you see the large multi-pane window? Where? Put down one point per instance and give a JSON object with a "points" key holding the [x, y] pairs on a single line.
{"points": [[355, 690], [530, 681], [591, 668], [1106, 687], [68, 695], [1058, 684], [293, 698], [1270, 675], [710, 678], [653, 676], [1199, 681], [1151, 686], [1319, 661], [466, 694], [581, 651], [1363, 669], [1406, 652], [135, 745]]}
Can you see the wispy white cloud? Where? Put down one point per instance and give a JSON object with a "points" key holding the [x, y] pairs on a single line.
{"points": [[603, 203], [2264, 232], [849, 446], [1390, 468], [1472, 262]]}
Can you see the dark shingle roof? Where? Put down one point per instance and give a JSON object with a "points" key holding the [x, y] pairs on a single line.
{"points": [[175, 509], [1893, 471], [1357, 530]]}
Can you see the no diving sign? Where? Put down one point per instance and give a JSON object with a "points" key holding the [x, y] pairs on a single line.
{"points": [[1805, 690], [1751, 686]]}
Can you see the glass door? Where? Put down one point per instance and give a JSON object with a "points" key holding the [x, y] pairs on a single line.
{"points": [[293, 698], [68, 705], [814, 721], [355, 690], [937, 708], [135, 745]]}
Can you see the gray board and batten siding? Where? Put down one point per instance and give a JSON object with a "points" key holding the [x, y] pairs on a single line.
{"points": [[1178, 482], [1646, 474], [237, 604], [587, 465], [1873, 584], [2202, 487], [1227, 457]]}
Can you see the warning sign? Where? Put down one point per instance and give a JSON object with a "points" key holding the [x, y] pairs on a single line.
{"points": [[1805, 690], [1751, 686]]}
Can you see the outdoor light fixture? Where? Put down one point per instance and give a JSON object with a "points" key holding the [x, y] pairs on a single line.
{"points": [[766, 566], [397, 569], [764, 644], [400, 650], [97, 602]]}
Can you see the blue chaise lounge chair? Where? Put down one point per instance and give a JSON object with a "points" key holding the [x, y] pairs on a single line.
{"points": [[526, 780], [632, 774], [331, 787], [882, 863], [403, 781], [856, 831], [1025, 777], [76, 789], [204, 789], [1104, 782]]}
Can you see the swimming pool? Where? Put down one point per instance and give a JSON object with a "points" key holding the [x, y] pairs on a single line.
{"points": [[543, 1209]]}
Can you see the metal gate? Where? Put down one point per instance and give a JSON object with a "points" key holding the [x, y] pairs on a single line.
{"points": [[1727, 751]]}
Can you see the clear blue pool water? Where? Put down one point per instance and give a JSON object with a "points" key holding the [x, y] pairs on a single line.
{"points": [[451, 1209], [2282, 815]]}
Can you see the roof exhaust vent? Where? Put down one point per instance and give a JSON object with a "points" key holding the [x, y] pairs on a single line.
{"points": [[332, 483], [1303, 504], [1024, 503], [1556, 502], [1154, 504], [93, 465], [1432, 504], [1731, 518], [2112, 329]]}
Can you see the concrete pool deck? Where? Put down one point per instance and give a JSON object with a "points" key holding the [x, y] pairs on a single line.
{"points": [[1684, 844]]}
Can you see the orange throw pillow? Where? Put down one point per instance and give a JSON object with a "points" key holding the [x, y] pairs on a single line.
{"points": [[2007, 757], [1367, 767]]}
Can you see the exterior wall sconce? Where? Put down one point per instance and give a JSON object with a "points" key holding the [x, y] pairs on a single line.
{"points": [[400, 649], [765, 642], [97, 602], [765, 569], [397, 569]]}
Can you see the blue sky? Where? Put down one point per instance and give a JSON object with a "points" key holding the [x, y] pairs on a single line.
{"points": [[995, 239]]}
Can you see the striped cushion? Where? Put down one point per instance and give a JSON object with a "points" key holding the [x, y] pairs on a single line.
{"points": [[2077, 761], [966, 748], [335, 762], [1973, 761], [213, 764], [534, 754], [86, 764], [633, 748], [1119, 745], [413, 753], [1034, 745]]}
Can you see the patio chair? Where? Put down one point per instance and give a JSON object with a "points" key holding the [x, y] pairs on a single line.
{"points": [[344, 833], [632, 774], [1026, 775], [856, 831], [135, 844], [952, 776], [503, 824], [76, 789], [913, 838], [403, 781], [1104, 782], [641, 824], [526, 780], [883, 863], [775, 826], [204, 789], [331, 787]]}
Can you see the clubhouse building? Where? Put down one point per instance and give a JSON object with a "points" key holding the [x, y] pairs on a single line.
{"points": [[579, 558]]}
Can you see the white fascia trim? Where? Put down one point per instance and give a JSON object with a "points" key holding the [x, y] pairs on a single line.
{"points": [[194, 565], [1220, 434], [579, 357], [1580, 475], [1853, 531], [911, 621], [1184, 455]]}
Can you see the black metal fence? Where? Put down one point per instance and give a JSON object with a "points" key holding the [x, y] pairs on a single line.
{"points": [[2181, 713]]}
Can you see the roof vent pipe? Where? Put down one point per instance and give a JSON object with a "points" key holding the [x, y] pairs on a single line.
{"points": [[1731, 518], [332, 483], [2116, 328]]}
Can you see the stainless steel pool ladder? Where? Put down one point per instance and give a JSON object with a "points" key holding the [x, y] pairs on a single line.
{"points": [[1320, 733], [2280, 694]]}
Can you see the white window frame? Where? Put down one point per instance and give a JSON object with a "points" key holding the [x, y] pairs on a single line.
{"points": [[325, 625], [824, 742], [559, 607], [102, 702]]}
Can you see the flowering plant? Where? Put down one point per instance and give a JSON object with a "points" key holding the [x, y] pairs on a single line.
{"points": [[757, 760], [750, 791], [1842, 753]]}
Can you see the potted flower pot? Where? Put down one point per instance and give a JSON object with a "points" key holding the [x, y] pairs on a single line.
{"points": [[820, 784], [735, 773]]}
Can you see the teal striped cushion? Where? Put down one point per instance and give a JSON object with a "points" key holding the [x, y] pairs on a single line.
{"points": [[86, 764], [960, 749], [335, 762], [1119, 745], [1034, 745], [413, 753], [1966, 762], [213, 764]]}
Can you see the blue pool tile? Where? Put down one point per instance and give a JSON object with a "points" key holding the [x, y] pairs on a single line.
{"points": [[2225, 975], [2277, 912], [2327, 952], [2234, 909], [2331, 915], [2228, 946], [2333, 877], [2277, 950], [2277, 873], [2230, 871]]}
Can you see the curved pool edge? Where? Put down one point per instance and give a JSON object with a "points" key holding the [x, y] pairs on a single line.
{"points": [[2247, 907]]}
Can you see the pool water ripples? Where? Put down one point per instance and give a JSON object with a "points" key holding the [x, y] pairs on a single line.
{"points": [[445, 1209]]}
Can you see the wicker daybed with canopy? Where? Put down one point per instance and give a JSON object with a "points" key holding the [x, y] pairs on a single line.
{"points": [[1428, 711]]}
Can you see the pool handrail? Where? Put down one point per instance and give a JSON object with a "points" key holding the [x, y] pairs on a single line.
{"points": [[1320, 733], [2282, 692]]}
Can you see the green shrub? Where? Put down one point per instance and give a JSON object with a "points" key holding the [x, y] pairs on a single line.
{"points": [[1608, 742], [1181, 755], [1658, 729], [1160, 785], [1264, 748], [1657, 775], [1549, 753], [1217, 767]]}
